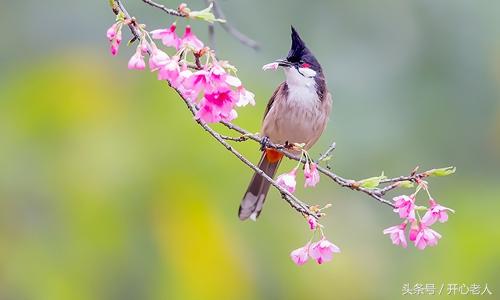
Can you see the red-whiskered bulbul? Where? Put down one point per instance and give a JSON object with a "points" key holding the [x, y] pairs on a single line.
{"points": [[297, 112]]}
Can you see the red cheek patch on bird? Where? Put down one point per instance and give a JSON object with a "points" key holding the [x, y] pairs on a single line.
{"points": [[305, 65], [273, 156]]}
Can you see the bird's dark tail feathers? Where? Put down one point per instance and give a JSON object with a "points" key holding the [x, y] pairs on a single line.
{"points": [[253, 200]]}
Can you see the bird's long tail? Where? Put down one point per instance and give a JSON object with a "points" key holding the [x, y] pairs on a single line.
{"points": [[253, 200]]}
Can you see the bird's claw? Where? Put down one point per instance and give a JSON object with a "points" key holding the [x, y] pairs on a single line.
{"points": [[264, 143]]}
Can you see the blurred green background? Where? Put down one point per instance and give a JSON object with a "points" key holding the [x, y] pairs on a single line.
{"points": [[109, 190]]}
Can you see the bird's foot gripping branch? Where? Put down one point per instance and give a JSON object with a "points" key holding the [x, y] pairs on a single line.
{"points": [[212, 91]]}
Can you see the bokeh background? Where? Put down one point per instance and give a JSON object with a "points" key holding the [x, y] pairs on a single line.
{"points": [[109, 190]]}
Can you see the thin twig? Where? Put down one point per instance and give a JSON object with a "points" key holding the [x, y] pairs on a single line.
{"points": [[169, 11], [117, 6], [234, 139], [411, 178], [211, 30], [327, 152], [245, 40]]}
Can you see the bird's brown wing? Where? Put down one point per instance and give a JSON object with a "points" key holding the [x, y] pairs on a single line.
{"points": [[280, 89]]}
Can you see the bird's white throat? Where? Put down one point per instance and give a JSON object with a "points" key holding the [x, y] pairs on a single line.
{"points": [[301, 89]]}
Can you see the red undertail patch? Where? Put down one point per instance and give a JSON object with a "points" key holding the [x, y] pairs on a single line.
{"points": [[273, 156]]}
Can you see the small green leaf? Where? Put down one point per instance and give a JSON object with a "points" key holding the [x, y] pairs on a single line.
{"points": [[328, 158], [120, 17], [372, 182], [442, 171], [205, 15], [406, 184]]}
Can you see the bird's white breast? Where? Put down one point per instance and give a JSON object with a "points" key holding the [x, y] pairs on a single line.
{"points": [[295, 119]]}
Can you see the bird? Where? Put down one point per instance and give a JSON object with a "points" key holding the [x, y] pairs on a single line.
{"points": [[297, 112]]}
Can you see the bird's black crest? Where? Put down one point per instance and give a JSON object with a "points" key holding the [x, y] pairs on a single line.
{"points": [[298, 48], [299, 52]]}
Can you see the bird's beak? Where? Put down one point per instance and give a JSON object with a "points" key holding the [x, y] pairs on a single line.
{"points": [[283, 62], [277, 63]]}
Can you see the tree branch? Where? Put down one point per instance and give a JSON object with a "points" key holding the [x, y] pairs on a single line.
{"points": [[375, 193]]}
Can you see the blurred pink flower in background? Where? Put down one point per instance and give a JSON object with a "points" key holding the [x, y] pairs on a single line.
{"points": [[167, 36], [287, 180], [311, 174], [189, 39], [300, 255], [426, 237], [397, 234], [322, 251], [435, 213], [136, 62], [405, 206]]}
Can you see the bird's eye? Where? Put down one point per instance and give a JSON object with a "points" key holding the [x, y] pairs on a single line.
{"points": [[305, 65]]}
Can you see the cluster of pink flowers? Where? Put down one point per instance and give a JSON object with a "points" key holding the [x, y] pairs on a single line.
{"points": [[288, 180], [419, 232], [212, 87], [114, 35], [321, 251]]}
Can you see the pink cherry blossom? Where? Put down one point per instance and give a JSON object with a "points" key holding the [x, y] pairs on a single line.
{"points": [[114, 35], [405, 206], [190, 40], [207, 113], [115, 43], [210, 114], [435, 213], [170, 71], [245, 97], [233, 81], [111, 32], [287, 180], [311, 175], [184, 74], [313, 223], [426, 237], [158, 58], [145, 47], [397, 234], [219, 76], [115, 47], [136, 62], [198, 81], [322, 251], [222, 99], [414, 229], [168, 36], [300, 255], [229, 116], [216, 106]]}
